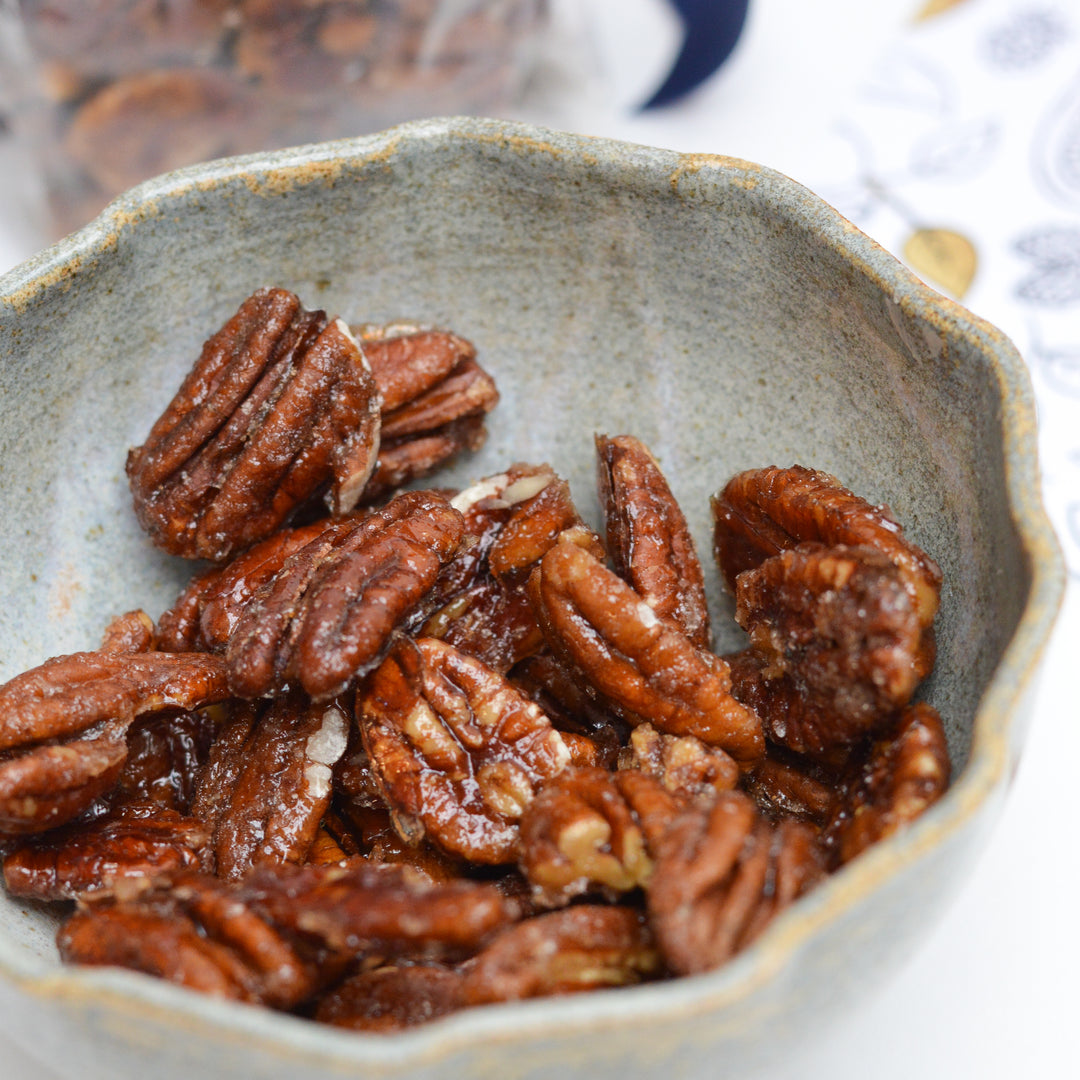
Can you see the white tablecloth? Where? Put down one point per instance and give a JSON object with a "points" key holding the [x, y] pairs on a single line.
{"points": [[966, 122]]}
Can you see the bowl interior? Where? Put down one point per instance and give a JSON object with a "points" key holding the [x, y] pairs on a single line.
{"points": [[710, 307]]}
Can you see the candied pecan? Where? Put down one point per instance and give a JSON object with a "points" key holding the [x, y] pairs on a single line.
{"points": [[896, 779], [784, 787], [199, 932], [392, 998], [480, 605], [647, 535], [458, 751], [644, 667], [327, 615], [132, 632], [205, 613], [408, 361], [270, 802], [762, 512], [840, 621], [721, 874], [467, 391], [389, 910], [69, 694], [789, 716], [279, 405], [682, 763], [47, 786], [559, 693], [563, 952], [83, 859], [579, 835], [325, 849]]}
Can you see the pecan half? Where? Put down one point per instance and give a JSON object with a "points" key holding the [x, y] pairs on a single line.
{"points": [[762, 512], [897, 779], [361, 908], [132, 632], [647, 535], [80, 860], [68, 694], [392, 998], [682, 763], [327, 615], [840, 622], [643, 666], [409, 457], [579, 835], [721, 874], [280, 404], [563, 952], [458, 751], [784, 786], [268, 783]]}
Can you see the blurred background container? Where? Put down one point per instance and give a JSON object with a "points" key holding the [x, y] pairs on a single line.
{"points": [[102, 94]]}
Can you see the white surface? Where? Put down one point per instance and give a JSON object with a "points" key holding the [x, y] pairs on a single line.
{"points": [[992, 993]]}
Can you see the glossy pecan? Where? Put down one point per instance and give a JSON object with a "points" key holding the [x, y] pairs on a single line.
{"points": [[647, 535], [63, 727], [409, 457], [579, 835], [392, 998], [132, 632], [585, 947], [80, 860], [280, 405], [682, 763], [458, 751], [895, 780], [268, 783], [327, 615], [206, 612], [199, 932], [783, 785], [644, 667], [721, 873], [361, 908], [840, 622], [762, 512]]}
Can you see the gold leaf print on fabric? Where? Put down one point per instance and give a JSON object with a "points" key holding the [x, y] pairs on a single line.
{"points": [[945, 258], [936, 7]]}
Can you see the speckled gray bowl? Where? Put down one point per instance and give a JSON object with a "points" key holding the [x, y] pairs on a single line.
{"points": [[712, 307]]}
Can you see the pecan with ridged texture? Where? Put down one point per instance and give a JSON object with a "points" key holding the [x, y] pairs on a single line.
{"points": [[392, 998], [783, 785], [721, 873], [762, 512], [585, 947], [279, 407], [579, 836], [898, 777], [327, 615], [644, 667], [268, 783], [206, 612], [361, 908], [63, 727], [198, 932], [682, 763], [434, 399], [647, 535], [83, 859], [458, 751], [480, 604], [840, 622]]}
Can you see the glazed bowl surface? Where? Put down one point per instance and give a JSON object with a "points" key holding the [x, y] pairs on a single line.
{"points": [[712, 307]]}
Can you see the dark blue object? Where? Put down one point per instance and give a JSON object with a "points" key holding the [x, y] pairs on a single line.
{"points": [[711, 29]]}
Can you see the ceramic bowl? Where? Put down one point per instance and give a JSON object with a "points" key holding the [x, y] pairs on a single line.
{"points": [[712, 307]]}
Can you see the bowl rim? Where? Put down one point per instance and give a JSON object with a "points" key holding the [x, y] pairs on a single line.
{"points": [[993, 748]]}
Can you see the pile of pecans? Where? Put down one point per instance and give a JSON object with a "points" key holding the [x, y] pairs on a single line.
{"points": [[402, 752]]}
